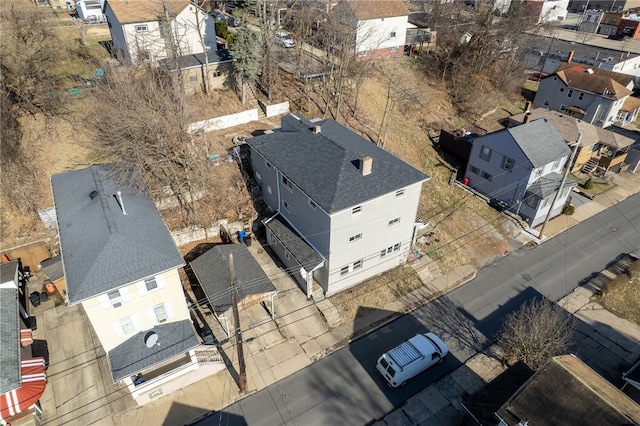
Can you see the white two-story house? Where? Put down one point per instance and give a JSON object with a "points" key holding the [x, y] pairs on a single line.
{"points": [[595, 95], [150, 30], [521, 166], [121, 265], [344, 209], [380, 26]]}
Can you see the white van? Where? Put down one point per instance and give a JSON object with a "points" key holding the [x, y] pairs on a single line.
{"points": [[411, 358]]}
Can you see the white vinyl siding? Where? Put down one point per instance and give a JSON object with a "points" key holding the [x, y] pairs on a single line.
{"points": [[143, 286]]}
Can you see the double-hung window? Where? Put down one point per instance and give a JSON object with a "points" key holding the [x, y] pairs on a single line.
{"points": [[115, 298], [150, 283], [485, 153]]}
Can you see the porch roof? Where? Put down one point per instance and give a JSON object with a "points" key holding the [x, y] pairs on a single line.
{"points": [[133, 356], [548, 184], [301, 251]]}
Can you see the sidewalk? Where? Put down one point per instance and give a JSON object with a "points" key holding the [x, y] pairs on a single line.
{"points": [[303, 332], [602, 340], [626, 184]]}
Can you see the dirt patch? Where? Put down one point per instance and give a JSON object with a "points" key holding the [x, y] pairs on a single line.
{"points": [[621, 295], [375, 294]]}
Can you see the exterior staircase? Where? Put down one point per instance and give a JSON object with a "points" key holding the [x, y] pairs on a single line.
{"points": [[590, 165], [253, 101]]}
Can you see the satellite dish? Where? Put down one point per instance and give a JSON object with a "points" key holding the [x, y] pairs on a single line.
{"points": [[150, 339]]}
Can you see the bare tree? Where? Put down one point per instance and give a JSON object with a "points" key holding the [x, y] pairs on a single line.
{"points": [[145, 123], [537, 331], [30, 86]]}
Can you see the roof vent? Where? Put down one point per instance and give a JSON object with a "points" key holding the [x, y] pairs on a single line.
{"points": [[93, 194], [366, 164]]}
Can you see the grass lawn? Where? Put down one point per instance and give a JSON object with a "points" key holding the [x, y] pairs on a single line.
{"points": [[621, 296], [598, 187]]}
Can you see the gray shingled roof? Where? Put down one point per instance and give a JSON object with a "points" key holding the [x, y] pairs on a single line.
{"points": [[565, 391], [302, 252], [540, 142], [10, 374], [53, 268], [570, 127], [133, 356], [196, 60], [8, 271], [102, 248], [212, 271], [325, 165], [548, 184]]}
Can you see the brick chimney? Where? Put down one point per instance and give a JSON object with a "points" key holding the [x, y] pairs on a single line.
{"points": [[317, 129], [570, 58], [527, 117], [366, 164]]}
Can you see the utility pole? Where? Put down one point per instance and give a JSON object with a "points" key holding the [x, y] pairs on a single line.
{"points": [[242, 374], [564, 179]]}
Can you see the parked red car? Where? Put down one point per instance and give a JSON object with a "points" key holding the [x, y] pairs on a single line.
{"points": [[536, 76]]}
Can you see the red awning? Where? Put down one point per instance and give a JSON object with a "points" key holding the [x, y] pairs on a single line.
{"points": [[26, 337], [34, 380]]}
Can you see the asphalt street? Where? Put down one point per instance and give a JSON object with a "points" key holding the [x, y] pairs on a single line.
{"points": [[344, 387]]}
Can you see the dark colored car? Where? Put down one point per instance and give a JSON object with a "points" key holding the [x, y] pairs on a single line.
{"points": [[232, 21], [537, 76], [616, 36], [218, 16]]}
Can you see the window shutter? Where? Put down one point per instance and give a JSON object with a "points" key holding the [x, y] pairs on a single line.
{"points": [[160, 281], [136, 322], [169, 310], [152, 316], [125, 294], [117, 329], [142, 288], [104, 301]]}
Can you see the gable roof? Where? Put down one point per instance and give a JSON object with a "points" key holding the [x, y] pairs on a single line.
{"points": [[606, 83], [539, 141], [133, 356], [324, 165], [570, 127], [134, 11], [565, 391], [213, 273], [102, 248], [372, 9], [10, 377]]}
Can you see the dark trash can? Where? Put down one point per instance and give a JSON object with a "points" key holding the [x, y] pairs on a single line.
{"points": [[34, 298], [44, 296], [33, 324], [247, 240]]}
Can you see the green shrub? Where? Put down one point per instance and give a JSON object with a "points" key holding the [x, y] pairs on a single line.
{"points": [[588, 184], [569, 209]]}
